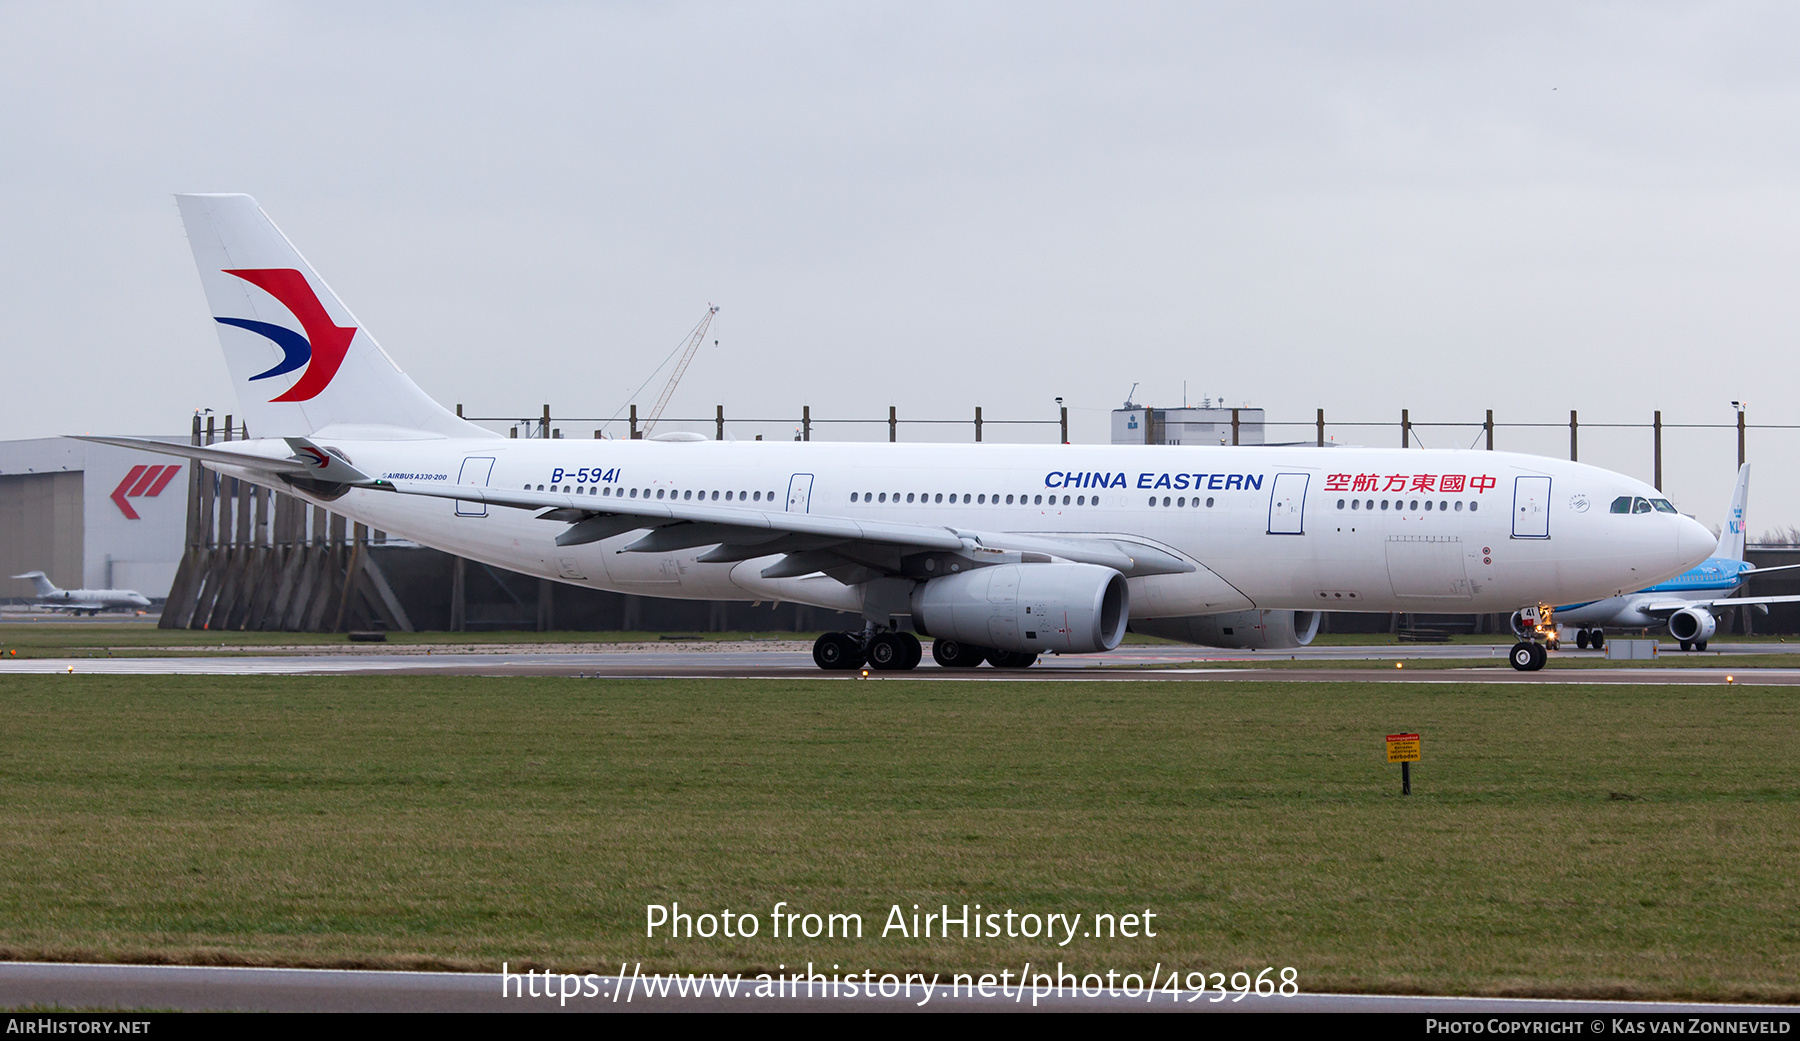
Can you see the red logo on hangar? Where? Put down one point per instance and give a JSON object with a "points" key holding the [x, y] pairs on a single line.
{"points": [[145, 482]]}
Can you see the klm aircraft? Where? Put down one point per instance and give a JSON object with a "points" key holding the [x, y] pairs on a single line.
{"points": [[1686, 602]]}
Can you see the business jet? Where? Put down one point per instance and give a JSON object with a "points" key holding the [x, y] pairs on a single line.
{"points": [[82, 601], [1686, 602], [997, 553]]}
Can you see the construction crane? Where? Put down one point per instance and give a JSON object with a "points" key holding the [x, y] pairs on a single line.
{"points": [[687, 356]]}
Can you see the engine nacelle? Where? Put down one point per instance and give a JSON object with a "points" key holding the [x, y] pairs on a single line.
{"points": [[1238, 630], [1693, 624], [1070, 608]]}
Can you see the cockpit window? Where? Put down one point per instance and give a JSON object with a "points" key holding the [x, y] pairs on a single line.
{"points": [[1622, 504], [1663, 506], [1640, 505]]}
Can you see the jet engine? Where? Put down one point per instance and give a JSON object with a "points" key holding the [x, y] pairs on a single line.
{"points": [[1070, 608], [1692, 624], [1240, 630]]}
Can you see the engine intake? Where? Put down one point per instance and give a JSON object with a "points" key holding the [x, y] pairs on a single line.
{"points": [[1069, 608], [1239, 630], [1692, 624]]}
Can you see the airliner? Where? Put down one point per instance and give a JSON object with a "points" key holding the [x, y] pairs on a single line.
{"points": [[82, 601], [996, 553], [1686, 602]]}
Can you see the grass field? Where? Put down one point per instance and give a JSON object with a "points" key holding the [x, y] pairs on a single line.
{"points": [[1565, 840]]}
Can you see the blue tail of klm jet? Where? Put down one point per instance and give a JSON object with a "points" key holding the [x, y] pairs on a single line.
{"points": [[1731, 536]]}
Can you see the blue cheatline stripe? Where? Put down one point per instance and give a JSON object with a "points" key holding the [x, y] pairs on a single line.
{"points": [[295, 350]]}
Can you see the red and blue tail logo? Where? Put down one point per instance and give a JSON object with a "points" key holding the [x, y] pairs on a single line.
{"points": [[321, 350]]}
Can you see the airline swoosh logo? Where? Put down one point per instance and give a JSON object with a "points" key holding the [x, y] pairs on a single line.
{"points": [[321, 350], [145, 481]]}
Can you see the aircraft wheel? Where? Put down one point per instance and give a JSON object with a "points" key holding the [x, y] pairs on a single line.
{"points": [[914, 652], [1012, 659], [888, 653], [837, 651], [1686, 645], [1598, 640], [1527, 656], [1699, 645], [1581, 640], [1553, 644], [954, 655]]}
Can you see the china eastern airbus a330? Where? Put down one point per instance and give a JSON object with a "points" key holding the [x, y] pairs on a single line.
{"points": [[997, 553]]}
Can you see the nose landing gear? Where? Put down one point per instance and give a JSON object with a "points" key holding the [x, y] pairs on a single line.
{"points": [[1537, 626]]}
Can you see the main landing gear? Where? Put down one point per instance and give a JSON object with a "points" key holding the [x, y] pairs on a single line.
{"points": [[952, 654], [898, 652], [1692, 645], [884, 652], [1590, 638]]}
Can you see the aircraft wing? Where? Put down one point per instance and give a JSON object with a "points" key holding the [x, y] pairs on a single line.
{"points": [[302, 457], [1668, 607], [850, 550]]}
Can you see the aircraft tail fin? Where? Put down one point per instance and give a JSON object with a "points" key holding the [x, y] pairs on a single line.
{"points": [[1731, 536], [42, 581], [299, 359]]}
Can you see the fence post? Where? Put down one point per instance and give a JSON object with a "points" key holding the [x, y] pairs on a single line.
{"points": [[1065, 423], [1405, 429], [459, 410], [1234, 426], [1490, 429], [1321, 428], [978, 425], [1740, 413], [893, 425], [1656, 426], [806, 422], [635, 432], [544, 424], [1572, 428], [720, 436]]}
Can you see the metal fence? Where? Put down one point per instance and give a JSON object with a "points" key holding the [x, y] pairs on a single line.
{"points": [[1408, 431]]}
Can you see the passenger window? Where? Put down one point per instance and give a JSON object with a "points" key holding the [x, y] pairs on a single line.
{"points": [[1622, 504], [1384, 504], [1459, 505], [1472, 506], [1415, 506], [1209, 502]]}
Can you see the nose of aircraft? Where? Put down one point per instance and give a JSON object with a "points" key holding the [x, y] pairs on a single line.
{"points": [[1694, 543]]}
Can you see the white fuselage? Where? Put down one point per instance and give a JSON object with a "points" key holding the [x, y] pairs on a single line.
{"points": [[92, 599], [1267, 527]]}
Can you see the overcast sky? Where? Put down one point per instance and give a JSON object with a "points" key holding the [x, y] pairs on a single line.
{"points": [[1364, 208]]}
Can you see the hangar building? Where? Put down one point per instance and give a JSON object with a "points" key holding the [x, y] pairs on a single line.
{"points": [[90, 515]]}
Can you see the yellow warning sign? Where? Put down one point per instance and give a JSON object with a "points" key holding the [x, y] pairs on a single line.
{"points": [[1403, 748]]}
